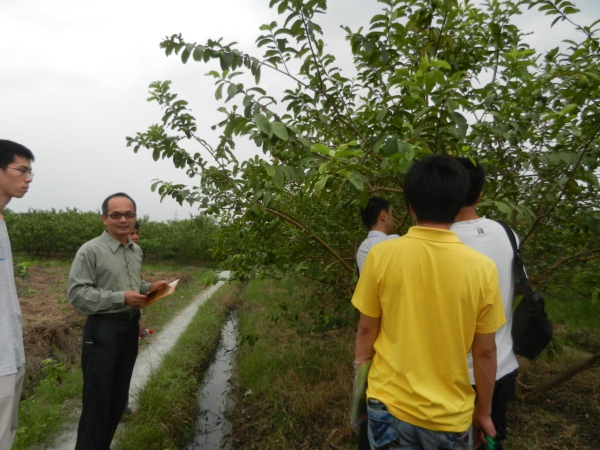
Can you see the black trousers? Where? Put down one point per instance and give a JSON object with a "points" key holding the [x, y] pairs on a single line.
{"points": [[109, 350], [363, 436], [504, 389]]}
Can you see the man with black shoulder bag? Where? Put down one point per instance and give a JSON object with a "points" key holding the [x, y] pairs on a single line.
{"points": [[487, 237]]}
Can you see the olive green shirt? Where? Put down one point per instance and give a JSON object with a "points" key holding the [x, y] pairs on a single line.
{"points": [[102, 271]]}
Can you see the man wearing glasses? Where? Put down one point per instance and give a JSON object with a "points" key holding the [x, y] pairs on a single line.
{"points": [[105, 284], [15, 176]]}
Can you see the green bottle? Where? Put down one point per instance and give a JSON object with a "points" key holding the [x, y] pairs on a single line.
{"points": [[491, 445]]}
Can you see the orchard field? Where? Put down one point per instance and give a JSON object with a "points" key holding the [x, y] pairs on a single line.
{"points": [[281, 316], [295, 368], [427, 77]]}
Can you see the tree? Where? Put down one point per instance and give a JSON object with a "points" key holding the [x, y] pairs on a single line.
{"points": [[432, 77]]}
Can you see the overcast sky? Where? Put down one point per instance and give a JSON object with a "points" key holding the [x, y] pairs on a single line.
{"points": [[74, 79]]}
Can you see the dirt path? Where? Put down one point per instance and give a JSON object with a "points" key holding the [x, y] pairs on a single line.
{"points": [[148, 360]]}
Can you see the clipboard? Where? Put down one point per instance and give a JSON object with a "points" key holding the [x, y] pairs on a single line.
{"points": [[156, 294]]}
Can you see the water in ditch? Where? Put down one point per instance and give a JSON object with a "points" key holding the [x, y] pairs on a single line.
{"points": [[212, 427]]}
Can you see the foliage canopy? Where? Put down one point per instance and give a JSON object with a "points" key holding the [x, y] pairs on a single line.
{"points": [[429, 77]]}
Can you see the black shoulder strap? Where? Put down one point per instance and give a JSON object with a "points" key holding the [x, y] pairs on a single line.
{"points": [[518, 258]]}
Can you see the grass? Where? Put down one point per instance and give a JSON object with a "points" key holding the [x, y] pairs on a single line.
{"points": [[42, 412], [289, 379], [167, 406], [41, 415], [294, 384], [157, 315], [294, 387], [577, 322]]}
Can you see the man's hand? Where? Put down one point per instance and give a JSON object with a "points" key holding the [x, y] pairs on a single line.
{"points": [[157, 285], [134, 299], [482, 427]]}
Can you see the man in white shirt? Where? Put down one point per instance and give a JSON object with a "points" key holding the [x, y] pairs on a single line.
{"points": [[488, 237], [15, 177], [379, 220]]}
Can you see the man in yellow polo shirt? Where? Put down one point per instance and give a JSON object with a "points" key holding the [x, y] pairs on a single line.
{"points": [[425, 300]]}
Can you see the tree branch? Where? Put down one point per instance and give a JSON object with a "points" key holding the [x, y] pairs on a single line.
{"points": [[561, 377]]}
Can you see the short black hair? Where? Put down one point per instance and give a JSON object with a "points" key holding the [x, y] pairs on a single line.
{"points": [[476, 174], [118, 194], [369, 213], [9, 150], [435, 187], [136, 225]]}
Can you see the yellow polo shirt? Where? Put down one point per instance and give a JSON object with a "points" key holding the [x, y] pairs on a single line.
{"points": [[432, 293]]}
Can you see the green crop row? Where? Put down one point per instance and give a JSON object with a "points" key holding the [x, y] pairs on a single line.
{"points": [[60, 233]]}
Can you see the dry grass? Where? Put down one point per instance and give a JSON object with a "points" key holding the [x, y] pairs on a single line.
{"points": [[565, 417]]}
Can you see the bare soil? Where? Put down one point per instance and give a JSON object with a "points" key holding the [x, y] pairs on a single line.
{"points": [[566, 417], [52, 327]]}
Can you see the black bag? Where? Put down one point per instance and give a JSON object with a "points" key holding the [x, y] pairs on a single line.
{"points": [[531, 328]]}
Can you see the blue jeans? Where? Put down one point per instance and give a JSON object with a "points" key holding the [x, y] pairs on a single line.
{"points": [[387, 432]]}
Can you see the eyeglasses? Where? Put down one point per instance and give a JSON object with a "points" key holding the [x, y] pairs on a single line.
{"points": [[118, 215], [24, 172]]}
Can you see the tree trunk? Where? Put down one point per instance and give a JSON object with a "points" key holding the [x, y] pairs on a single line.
{"points": [[563, 376]]}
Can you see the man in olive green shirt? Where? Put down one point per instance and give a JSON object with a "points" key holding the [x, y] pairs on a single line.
{"points": [[105, 284]]}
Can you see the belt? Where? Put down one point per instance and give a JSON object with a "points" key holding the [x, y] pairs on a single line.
{"points": [[128, 316]]}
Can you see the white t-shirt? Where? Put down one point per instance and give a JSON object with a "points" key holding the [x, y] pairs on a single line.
{"points": [[12, 353], [488, 237], [374, 237]]}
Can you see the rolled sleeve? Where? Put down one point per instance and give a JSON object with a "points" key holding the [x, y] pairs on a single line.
{"points": [[491, 316], [145, 287], [366, 295]]}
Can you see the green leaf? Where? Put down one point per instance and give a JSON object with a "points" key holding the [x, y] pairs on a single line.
{"points": [[567, 109], [461, 123], [320, 148], [304, 141], [225, 60], [440, 63], [219, 91], [504, 208], [357, 180], [390, 147], [231, 91], [263, 124], [381, 114], [257, 209], [185, 55], [278, 177], [280, 130], [320, 185], [198, 53]]}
